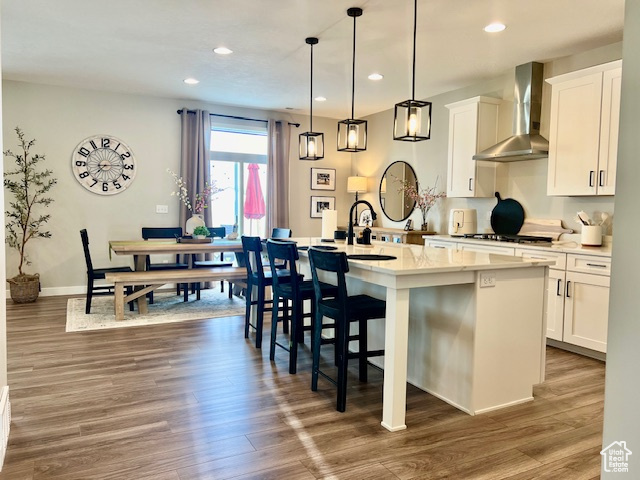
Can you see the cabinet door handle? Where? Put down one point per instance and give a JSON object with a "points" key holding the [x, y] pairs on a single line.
{"points": [[596, 265], [437, 246], [568, 283], [558, 288], [591, 177], [470, 183], [601, 178]]}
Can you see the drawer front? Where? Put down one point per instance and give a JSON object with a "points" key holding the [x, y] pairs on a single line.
{"points": [[471, 247], [589, 264], [559, 258], [439, 244]]}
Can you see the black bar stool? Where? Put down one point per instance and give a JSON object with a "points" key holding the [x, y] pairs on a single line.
{"points": [[260, 278], [344, 309], [296, 290]]}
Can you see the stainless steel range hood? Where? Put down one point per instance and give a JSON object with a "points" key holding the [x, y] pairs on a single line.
{"points": [[526, 143]]}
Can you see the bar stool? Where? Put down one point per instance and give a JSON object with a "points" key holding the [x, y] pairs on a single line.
{"points": [[344, 309], [259, 278], [296, 290]]}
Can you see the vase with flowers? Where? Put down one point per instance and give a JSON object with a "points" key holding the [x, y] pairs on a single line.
{"points": [[200, 201], [424, 198]]}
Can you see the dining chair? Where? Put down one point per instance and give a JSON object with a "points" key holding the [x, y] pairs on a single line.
{"points": [[259, 277], [160, 233], [344, 309], [215, 232], [94, 274], [296, 290], [281, 233]]}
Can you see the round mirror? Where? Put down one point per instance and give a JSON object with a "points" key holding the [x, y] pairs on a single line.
{"points": [[397, 206]]}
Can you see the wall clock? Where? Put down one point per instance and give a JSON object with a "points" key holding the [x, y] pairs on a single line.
{"points": [[103, 164]]}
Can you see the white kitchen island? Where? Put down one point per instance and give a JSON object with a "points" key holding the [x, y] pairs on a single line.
{"points": [[471, 324]]}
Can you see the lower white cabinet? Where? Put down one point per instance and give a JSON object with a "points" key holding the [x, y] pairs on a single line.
{"points": [[577, 297], [586, 310]]}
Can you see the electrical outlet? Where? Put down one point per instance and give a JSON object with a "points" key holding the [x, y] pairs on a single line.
{"points": [[162, 208], [487, 279]]}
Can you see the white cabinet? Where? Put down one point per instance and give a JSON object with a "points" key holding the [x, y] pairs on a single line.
{"points": [[473, 127], [472, 247], [554, 304], [583, 133], [439, 244], [586, 310]]}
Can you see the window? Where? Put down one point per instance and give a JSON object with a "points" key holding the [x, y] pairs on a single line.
{"points": [[233, 151]]}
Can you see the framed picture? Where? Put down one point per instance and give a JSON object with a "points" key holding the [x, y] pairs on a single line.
{"points": [[409, 225], [323, 179], [318, 204], [365, 219]]}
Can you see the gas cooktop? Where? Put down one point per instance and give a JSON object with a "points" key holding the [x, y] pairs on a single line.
{"points": [[503, 237]]}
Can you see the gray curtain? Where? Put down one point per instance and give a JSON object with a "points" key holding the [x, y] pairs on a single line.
{"points": [[194, 159], [278, 175]]}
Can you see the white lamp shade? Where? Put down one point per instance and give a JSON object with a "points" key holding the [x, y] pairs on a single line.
{"points": [[357, 184]]}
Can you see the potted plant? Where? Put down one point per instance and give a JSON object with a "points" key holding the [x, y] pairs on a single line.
{"points": [[29, 186], [200, 232]]}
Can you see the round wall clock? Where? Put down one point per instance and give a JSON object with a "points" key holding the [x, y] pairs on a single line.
{"points": [[103, 164]]}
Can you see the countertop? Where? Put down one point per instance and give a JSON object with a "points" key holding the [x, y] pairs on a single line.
{"points": [[418, 259], [567, 244]]}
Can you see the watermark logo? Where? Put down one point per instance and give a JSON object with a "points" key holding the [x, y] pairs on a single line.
{"points": [[615, 457]]}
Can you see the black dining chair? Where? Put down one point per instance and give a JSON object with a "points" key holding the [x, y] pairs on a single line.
{"points": [[344, 309], [160, 233], [295, 290], [215, 232], [94, 274], [259, 277], [281, 233]]}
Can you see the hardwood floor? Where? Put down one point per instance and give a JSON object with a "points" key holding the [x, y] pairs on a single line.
{"points": [[195, 400]]}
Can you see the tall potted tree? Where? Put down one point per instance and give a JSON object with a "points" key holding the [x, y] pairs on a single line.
{"points": [[29, 186]]}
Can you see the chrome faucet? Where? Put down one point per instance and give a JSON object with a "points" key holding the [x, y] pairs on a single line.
{"points": [[350, 231]]}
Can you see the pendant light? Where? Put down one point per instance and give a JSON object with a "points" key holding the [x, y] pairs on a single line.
{"points": [[352, 133], [311, 143], [412, 118]]}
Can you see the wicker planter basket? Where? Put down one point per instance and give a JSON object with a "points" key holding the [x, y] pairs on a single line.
{"points": [[24, 288]]}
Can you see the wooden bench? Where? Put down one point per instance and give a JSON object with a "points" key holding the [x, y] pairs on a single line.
{"points": [[152, 280]]}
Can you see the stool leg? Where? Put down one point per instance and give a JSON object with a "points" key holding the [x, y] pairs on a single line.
{"points": [[296, 326], [362, 347], [343, 363], [274, 329], [247, 312], [285, 315], [316, 339], [259, 320]]}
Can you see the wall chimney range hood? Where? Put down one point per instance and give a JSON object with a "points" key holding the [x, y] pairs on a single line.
{"points": [[526, 143]]}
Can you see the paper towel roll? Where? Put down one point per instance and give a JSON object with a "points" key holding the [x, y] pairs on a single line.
{"points": [[329, 223]]}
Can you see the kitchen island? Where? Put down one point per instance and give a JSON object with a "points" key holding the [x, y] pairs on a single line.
{"points": [[471, 324]]}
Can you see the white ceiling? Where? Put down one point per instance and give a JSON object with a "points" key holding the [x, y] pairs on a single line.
{"points": [[150, 46]]}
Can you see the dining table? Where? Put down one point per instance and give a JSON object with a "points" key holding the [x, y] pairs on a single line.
{"points": [[141, 249]]}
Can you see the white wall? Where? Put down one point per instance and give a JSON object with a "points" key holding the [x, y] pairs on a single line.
{"points": [[3, 276], [622, 388], [525, 181], [59, 118]]}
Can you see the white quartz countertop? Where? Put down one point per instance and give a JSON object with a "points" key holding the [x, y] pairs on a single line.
{"points": [[568, 244], [417, 259]]}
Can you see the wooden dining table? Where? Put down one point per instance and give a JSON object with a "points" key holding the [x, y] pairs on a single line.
{"points": [[141, 249]]}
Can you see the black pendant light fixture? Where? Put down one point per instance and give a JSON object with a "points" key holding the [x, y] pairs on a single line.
{"points": [[352, 133], [412, 118], [311, 143]]}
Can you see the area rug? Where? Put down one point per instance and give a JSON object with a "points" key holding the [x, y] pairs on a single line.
{"points": [[167, 308]]}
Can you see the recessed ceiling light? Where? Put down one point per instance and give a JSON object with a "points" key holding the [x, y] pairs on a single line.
{"points": [[222, 51], [191, 81], [320, 99], [494, 27], [375, 76]]}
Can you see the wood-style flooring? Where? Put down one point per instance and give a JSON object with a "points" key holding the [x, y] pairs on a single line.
{"points": [[195, 400]]}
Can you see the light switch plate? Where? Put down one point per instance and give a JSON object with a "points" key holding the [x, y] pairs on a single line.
{"points": [[487, 279], [162, 208]]}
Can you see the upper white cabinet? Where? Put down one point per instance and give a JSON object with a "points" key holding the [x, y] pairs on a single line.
{"points": [[583, 133], [473, 127]]}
